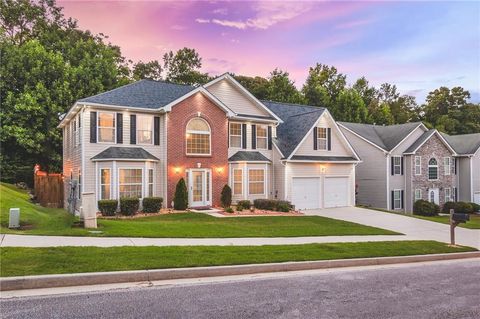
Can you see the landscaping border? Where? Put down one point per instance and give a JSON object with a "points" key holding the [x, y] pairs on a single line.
{"points": [[81, 279]]}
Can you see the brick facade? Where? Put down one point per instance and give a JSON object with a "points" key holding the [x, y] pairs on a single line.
{"points": [[177, 160], [433, 148]]}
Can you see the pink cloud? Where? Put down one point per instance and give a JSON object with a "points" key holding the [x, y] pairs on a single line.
{"points": [[353, 24]]}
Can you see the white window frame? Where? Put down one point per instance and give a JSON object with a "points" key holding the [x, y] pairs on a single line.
{"points": [[140, 116], [323, 139], [114, 127], [447, 167], [259, 138], [150, 182], [449, 194], [397, 165], [109, 183], [399, 199], [264, 181], [75, 133], [418, 165], [79, 176], [234, 181], [418, 192], [187, 131], [142, 179], [432, 166], [230, 135]]}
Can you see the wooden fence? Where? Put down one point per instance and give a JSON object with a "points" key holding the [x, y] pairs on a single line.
{"points": [[48, 189]]}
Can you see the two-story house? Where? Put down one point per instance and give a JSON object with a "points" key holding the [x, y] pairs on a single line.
{"points": [[140, 139], [402, 164]]}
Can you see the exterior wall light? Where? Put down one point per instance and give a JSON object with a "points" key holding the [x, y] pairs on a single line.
{"points": [[176, 170]]}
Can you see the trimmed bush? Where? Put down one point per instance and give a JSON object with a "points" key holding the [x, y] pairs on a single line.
{"points": [[108, 207], [476, 207], [226, 196], [263, 203], [129, 205], [425, 208], [463, 208], [229, 210], [243, 204], [152, 204], [180, 199], [447, 206], [283, 206]]}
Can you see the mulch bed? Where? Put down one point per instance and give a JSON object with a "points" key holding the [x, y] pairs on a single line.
{"points": [[163, 211], [260, 212]]}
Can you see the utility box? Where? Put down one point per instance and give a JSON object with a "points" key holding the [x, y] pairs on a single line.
{"points": [[14, 218]]}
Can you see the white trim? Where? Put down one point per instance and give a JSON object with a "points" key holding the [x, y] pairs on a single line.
{"points": [[276, 146], [230, 135], [441, 139], [323, 138], [409, 134], [314, 161], [397, 190], [445, 194], [115, 124], [251, 162], [123, 160], [449, 172], [187, 131], [254, 119], [189, 171], [471, 180], [415, 194], [233, 180], [99, 184], [415, 165], [395, 165], [387, 157], [264, 181]]}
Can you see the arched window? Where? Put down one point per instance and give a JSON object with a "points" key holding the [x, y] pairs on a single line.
{"points": [[198, 137], [432, 169]]}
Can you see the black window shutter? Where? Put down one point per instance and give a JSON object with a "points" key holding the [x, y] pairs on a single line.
{"points": [[456, 194], [401, 165], [119, 128], [93, 127], [133, 129], [269, 137], [156, 130], [392, 166], [455, 166], [315, 141], [402, 198], [244, 136], [329, 138], [254, 136], [393, 199]]}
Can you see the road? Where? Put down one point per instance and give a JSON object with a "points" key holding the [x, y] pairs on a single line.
{"points": [[448, 289]]}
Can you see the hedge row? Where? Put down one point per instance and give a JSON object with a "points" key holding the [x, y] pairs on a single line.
{"points": [[461, 207], [273, 204], [129, 205]]}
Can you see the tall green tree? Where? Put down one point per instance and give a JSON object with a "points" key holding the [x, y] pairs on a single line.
{"points": [[281, 88], [151, 70], [183, 67], [442, 101], [350, 107], [257, 85]]}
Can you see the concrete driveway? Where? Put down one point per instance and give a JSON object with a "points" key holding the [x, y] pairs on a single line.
{"points": [[414, 228]]}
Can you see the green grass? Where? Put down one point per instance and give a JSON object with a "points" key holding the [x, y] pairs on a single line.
{"points": [[35, 261], [47, 221]]}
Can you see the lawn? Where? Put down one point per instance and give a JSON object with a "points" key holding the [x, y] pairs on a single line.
{"points": [[58, 260], [473, 223], [47, 221]]}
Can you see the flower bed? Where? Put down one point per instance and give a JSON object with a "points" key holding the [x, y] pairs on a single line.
{"points": [[163, 211], [261, 212]]}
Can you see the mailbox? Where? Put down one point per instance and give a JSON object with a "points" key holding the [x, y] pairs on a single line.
{"points": [[461, 218]]}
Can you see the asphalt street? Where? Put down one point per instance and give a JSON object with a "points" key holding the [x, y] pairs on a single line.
{"points": [[427, 290]]}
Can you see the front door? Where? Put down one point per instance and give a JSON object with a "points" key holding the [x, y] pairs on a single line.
{"points": [[433, 196], [199, 190]]}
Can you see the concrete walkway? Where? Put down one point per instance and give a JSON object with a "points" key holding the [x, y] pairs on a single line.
{"points": [[413, 228]]}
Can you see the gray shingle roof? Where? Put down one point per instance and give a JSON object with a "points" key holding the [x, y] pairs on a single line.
{"points": [[127, 153], [385, 137], [298, 120], [323, 158], [425, 136], [245, 156], [465, 144], [147, 94]]}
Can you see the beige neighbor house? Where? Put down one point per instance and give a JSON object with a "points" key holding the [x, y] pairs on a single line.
{"points": [[404, 163], [140, 139]]}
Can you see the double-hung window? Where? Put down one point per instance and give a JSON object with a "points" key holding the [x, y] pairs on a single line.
{"points": [[130, 183], [79, 184], [256, 181], [321, 138], [105, 182], [237, 181], [432, 169], [150, 182], [235, 134], [448, 195], [75, 133], [262, 136], [397, 199], [397, 165], [144, 129], [418, 165], [447, 165], [418, 194], [106, 127]]}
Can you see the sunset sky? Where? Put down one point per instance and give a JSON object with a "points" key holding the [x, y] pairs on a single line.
{"points": [[418, 46]]}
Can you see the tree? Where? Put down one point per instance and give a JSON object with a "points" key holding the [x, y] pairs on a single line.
{"points": [[182, 67], [281, 89], [180, 199], [151, 70], [380, 113], [257, 85], [323, 86], [368, 93], [443, 101], [226, 196], [350, 107]]}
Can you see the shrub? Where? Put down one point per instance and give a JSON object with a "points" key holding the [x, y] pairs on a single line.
{"points": [[283, 206], [226, 196], [243, 204], [425, 208], [129, 205], [229, 210], [447, 206], [463, 208], [152, 204], [180, 199], [108, 207], [476, 207], [263, 203]]}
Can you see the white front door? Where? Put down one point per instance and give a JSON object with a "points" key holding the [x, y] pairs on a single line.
{"points": [[433, 196], [336, 192], [199, 187], [306, 192]]}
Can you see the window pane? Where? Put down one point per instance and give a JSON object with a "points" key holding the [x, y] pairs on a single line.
{"points": [[321, 138], [261, 131], [105, 192], [106, 120], [256, 181], [262, 143], [235, 135], [322, 132], [105, 176], [130, 183], [235, 129], [237, 182], [144, 129], [198, 143], [198, 125], [106, 134]]}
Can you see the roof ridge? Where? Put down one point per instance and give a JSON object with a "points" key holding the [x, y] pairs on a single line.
{"points": [[114, 89], [294, 104], [304, 113], [167, 82]]}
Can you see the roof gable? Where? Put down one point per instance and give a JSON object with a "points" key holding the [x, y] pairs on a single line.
{"points": [[424, 138]]}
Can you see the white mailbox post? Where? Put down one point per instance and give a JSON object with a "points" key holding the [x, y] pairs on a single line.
{"points": [[14, 218]]}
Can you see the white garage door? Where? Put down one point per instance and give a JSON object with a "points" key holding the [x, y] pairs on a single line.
{"points": [[306, 192], [476, 198], [336, 192]]}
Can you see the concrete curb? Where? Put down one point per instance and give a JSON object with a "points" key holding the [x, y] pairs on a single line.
{"points": [[81, 279]]}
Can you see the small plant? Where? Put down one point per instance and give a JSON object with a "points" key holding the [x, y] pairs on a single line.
{"points": [[226, 196], [463, 208], [229, 210], [152, 204], [425, 208], [476, 207], [243, 204], [263, 203], [129, 205], [447, 206], [108, 207], [180, 199], [283, 206]]}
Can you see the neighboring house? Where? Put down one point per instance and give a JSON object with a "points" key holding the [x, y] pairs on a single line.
{"points": [[402, 164], [140, 139], [467, 147]]}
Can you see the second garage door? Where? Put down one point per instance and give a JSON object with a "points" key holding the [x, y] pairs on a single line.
{"points": [[306, 192], [336, 192]]}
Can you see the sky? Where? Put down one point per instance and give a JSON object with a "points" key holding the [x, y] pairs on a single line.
{"points": [[418, 46]]}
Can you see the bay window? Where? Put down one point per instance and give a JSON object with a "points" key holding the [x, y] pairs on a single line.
{"points": [[150, 182], [237, 181], [105, 182], [256, 181], [130, 182]]}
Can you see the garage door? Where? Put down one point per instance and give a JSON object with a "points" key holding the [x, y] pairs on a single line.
{"points": [[476, 198], [306, 192], [336, 192]]}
